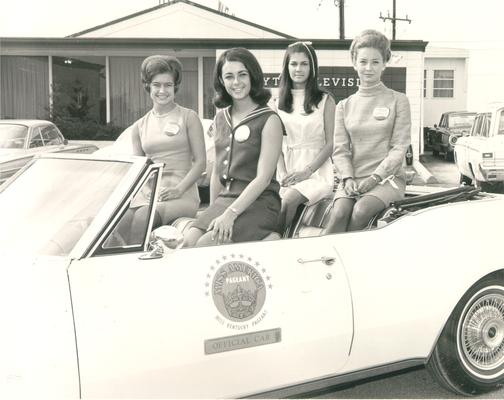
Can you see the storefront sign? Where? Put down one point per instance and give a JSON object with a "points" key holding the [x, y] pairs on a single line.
{"points": [[343, 81]]}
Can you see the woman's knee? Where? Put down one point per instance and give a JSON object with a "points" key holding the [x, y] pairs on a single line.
{"points": [[192, 236], [364, 211]]}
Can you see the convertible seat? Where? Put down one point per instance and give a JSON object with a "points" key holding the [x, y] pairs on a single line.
{"points": [[313, 219], [184, 223]]}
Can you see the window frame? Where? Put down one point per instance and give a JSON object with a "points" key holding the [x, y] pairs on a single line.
{"points": [[437, 90]]}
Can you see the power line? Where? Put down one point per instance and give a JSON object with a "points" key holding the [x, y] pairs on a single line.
{"points": [[393, 19]]}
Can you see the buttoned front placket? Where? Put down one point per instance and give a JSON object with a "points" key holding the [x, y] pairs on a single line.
{"points": [[229, 148]]}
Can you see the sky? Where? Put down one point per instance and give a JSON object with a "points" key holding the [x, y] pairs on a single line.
{"points": [[476, 26], [458, 23]]}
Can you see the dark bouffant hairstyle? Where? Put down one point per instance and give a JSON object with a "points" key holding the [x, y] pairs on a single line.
{"points": [[258, 92], [313, 94], [373, 39], [158, 64]]}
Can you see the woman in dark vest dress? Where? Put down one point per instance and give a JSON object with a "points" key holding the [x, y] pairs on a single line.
{"points": [[244, 199]]}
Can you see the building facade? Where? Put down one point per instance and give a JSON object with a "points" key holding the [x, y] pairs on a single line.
{"points": [[445, 82], [96, 73]]}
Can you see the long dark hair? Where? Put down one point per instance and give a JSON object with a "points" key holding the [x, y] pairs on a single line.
{"points": [[313, 94], [258, 93]]}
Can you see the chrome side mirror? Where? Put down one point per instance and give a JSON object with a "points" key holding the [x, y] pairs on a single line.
{"points": [[162, 240]]}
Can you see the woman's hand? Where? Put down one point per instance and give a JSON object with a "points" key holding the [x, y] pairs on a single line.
{"points": [[169, 193], [351, 188], [222, 227], [367, 184], [296, 177]]}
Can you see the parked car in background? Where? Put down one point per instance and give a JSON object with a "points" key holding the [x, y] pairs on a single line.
{"points": [[480, 155], [90, 312], [452, 125], [22, 139]]}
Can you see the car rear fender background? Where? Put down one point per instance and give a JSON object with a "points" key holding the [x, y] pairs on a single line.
{"points": [[403, 294], [37, 340]]}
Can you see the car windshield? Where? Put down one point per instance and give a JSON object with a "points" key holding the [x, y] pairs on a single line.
{"points": [[12, 136], [48, 207], [461, 121]]}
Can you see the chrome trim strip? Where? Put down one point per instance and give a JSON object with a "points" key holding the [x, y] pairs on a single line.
{"points": [[329, 382]]}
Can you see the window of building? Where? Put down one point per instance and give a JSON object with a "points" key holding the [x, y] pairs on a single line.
{"points": [[443, 83], [79, 88], [24, 83], [424, 83]]}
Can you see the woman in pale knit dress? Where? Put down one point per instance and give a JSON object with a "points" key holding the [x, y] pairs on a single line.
{"points": [[305, 169], [371, 136]]}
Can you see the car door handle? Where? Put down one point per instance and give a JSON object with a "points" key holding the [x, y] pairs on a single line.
{"points": [[325, 260]]}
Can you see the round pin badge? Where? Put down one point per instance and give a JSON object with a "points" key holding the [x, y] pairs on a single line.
{"points": [[171, 129], [381, 113], [242, 133]]}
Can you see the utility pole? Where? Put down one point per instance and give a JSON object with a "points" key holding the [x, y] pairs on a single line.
{"points": [[394, 19], [341, 5]]}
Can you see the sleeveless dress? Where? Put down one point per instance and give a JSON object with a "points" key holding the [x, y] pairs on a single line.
{"points": [[164, 139], [237, 155], [305, 138]]}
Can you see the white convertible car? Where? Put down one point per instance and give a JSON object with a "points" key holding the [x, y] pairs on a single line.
{"points": [[89, 312]]}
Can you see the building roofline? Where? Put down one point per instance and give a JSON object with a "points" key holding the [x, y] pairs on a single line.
{"points": [[148, 10], [18, 43]]}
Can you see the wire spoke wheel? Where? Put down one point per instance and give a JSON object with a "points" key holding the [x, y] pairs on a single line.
{"points": [[468, 358], [481, 333]]}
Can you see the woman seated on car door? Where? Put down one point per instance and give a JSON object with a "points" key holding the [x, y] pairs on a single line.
{"points": [[371, 136], [170, 134], [244, 199]]}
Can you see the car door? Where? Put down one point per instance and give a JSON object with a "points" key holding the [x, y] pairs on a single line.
{"points": [[477, 144], [217, 321]]}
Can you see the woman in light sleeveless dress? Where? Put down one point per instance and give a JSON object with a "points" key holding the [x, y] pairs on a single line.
{"points": [[173, 135], [305, 169]]}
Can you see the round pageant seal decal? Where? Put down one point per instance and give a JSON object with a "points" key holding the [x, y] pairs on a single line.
{"points": [[242, 133], [238, 287]]}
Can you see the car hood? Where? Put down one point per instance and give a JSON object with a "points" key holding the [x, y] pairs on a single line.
{"points": [[7, 155], [37, 337]]}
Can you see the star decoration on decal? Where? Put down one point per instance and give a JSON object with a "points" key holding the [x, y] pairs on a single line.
{"points": [[249, 259], [256, 264], [268, 278], [241, 256], [212, 268], [232, 256], [208, 276], [263, 270], [224, 258], [207, 294], [217, 261], [270, 286], [207, 284]]}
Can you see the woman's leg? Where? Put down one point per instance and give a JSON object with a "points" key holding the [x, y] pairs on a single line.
{"points": [[291, 199], [170, 210], [139, 224], [340, 215], [365, 209], [192, 236], [206, 240]]}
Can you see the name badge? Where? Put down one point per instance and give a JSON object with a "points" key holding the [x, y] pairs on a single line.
{"points": [[171, 129], [380, 113], [242, 133]]}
